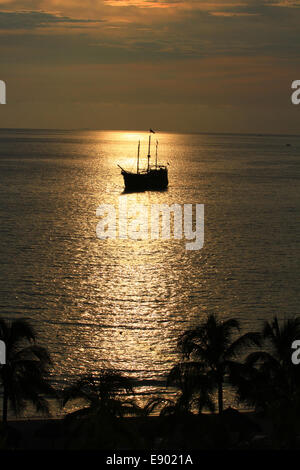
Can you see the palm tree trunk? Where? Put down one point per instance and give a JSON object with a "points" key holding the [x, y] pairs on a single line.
{"points": [[5, 405], [220, 397]]}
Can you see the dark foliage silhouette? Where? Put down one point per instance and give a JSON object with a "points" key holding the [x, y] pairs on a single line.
{"points": [[213, 346], [98, 423], [24, 376]]}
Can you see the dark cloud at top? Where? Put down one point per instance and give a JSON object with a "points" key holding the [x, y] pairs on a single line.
{"points": [[266, 31], [36, 19]]}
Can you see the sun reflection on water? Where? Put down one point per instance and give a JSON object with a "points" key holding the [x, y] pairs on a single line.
{"points": [[123, 302]]}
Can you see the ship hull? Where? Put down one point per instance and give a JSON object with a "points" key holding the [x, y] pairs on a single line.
{"points": [[153, 179]]}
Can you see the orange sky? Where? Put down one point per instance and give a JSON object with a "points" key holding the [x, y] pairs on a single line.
{"points": [[185, 66]]}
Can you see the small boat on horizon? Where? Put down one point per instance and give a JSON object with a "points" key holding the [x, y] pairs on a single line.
{"points": [[153, 177]]}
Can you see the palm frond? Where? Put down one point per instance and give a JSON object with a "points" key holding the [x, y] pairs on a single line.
{"points": [[241, 343]]}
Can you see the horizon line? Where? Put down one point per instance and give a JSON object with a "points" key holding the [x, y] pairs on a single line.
{"points": [[82, 129]]}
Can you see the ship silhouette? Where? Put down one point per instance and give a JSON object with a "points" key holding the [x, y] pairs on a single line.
{"points": [[153, 177]]}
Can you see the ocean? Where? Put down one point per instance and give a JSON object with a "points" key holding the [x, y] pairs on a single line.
{"points": [[123, 303]]}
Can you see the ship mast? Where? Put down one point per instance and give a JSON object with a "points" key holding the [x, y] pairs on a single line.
{"points": [[138, 157], [149, 156]]}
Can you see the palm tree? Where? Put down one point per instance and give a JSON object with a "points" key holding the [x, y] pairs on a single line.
{"points": [[98, 421], [213, 346], [195, 387], [102, 393], [195, 392], [23, 376], [269, 376]]}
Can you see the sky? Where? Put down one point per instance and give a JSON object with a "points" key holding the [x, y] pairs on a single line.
{"points": [[186, 66]]}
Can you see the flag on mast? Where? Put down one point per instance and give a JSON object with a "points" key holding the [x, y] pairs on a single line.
{"points": [[151, 130]]}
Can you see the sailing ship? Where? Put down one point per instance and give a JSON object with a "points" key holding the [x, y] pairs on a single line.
{"points": [[153, 177]]}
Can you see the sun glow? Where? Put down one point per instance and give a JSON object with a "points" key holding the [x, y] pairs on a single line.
{"points": [[133, 136]]}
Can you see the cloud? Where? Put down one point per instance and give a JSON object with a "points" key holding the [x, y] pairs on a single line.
{"points": [[228, 14], [229, 29], [286, 3], [14, 20], [67, 64]]}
